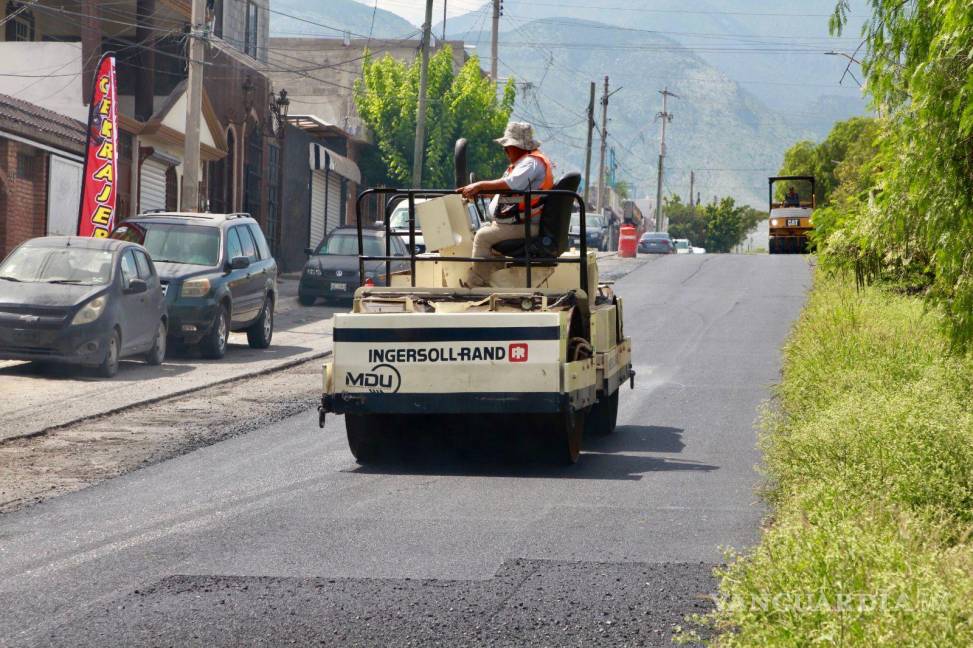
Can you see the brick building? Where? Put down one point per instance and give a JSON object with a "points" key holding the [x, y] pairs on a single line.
{"points": [[240, 150], [40, 172]]}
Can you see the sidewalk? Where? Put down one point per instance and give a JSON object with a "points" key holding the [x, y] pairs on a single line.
{"points": [[35, 401]]}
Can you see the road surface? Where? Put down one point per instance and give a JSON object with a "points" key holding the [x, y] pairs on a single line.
{"points": [[277, 537]]}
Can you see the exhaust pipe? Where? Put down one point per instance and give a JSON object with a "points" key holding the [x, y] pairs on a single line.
{"points": [[460, 176]]}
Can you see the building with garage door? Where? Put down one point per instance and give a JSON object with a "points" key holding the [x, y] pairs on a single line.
{"points": [[321, 179], [241, 147], [41, 159]]}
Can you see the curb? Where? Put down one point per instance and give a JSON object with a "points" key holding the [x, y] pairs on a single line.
{"points": [[157, 399]]}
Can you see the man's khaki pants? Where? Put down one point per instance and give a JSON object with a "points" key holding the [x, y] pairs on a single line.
{"points": [[488, 236]]}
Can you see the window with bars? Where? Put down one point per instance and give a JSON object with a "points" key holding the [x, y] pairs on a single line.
{"points": [[20, 23], [250, 35], [25, 166], [273, 196]]}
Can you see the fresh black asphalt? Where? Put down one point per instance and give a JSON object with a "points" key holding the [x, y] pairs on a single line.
{"points": [[277, 537]]}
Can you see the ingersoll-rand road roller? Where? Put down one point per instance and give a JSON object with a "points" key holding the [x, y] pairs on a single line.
{"points": [[540, 352]]}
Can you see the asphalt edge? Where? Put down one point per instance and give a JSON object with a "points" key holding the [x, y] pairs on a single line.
{"points": [[158, 399]]}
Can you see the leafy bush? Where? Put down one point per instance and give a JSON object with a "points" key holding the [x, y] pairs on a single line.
{"points": [[869, 468]]}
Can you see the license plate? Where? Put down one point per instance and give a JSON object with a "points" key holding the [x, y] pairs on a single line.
{"points": [[339, 286], [793, 222]]}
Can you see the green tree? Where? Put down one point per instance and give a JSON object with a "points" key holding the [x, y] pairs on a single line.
{"points": [[822, 160], [623, 189], [461, 103], [919, 69], [684, 221], [718, 226]]}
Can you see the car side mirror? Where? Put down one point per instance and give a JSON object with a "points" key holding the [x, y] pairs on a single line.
{"points": [[239, 263], [309, 251], [136, 286]]}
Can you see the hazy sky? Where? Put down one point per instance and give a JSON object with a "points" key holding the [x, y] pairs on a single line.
{"points": [[412, 10]]}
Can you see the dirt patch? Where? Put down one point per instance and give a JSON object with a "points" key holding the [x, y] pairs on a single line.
{"points": [[65, 460]]}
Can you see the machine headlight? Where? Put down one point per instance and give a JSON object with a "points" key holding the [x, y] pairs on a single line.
{"points": [[195, 288], [91, 311], [774, 222]]}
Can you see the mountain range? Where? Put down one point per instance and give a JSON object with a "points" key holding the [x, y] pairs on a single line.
{"points": [[750, 80]]}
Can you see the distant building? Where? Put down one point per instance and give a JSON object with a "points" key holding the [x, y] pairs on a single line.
{"points": [[320, 74]]}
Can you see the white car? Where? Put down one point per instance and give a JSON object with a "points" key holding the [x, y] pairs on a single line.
{"points": [[699, 250], [683, 246]]}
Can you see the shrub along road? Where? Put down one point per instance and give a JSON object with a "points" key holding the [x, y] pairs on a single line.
{"points": [[871, 465], [276, 535]]}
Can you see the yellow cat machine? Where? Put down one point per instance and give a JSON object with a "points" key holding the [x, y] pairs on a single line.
{"points": [[791, 217], [540, 352]]}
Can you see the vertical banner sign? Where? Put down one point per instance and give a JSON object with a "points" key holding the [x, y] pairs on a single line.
{"points": [[98, 189]]}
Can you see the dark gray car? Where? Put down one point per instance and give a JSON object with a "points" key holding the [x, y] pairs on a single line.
{"points": [[82, 301], [331, 271], [218, 276], [656, 243]]}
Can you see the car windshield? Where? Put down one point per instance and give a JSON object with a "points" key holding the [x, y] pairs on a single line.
{"points": [[347, 245], [590, 221], [400, 218], [658, 236], [682, 244], [58, 265], [171, 243]]}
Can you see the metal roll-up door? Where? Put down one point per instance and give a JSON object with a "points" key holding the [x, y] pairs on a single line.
{"points": [[152, 185], [319, 188], [334, 200]]}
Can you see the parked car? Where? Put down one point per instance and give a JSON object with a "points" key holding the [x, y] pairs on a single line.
{"points": [[596, 231], [656, 243], [683, 246], [217, 275], [699, 250], [399, 223], [83, 301], [331, 271]]}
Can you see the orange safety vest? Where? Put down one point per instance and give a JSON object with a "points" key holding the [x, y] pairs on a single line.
{"points": [[548, 183]]}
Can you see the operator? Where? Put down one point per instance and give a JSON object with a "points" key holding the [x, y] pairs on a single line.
{"points": [[792, 199], [529, 169]]}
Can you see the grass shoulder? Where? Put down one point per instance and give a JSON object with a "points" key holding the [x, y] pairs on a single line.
{"points": [[869, 470]]}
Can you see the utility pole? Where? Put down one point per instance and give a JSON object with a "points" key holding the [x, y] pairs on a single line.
{"points": [[587, 156], [444, 21], [194, 108], [692, 181], [494, 40], [666, 117], [420, 145], [604, 144]]}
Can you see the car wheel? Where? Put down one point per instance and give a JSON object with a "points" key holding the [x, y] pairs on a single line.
{"points": [[262, 331], [306, 300], [109, 366], [213, 346], [157, 353]]}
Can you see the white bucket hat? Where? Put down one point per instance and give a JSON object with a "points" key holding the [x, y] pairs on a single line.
{"points": [[519, 134]]}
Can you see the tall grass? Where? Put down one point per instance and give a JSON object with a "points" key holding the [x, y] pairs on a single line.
{"points": [[869, 470]]}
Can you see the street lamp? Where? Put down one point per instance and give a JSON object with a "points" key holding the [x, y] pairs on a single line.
{"points": [[279, 106], [851, 59]]}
